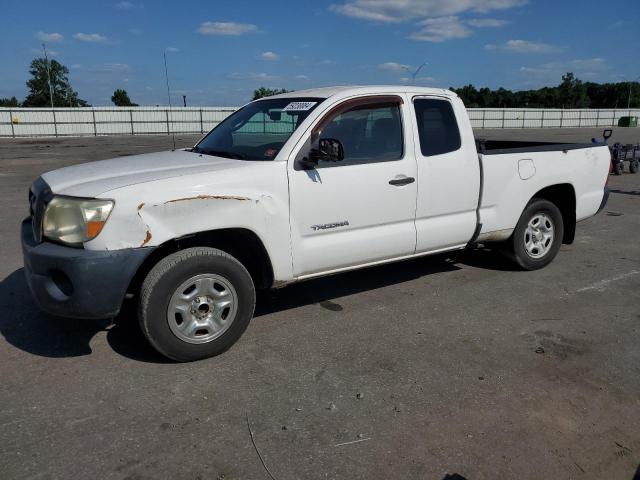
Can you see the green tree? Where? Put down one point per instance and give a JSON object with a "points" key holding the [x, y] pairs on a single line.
{"points": [[572, 92], [267, 92], [38, 84], [120, 98], [9, 102]]}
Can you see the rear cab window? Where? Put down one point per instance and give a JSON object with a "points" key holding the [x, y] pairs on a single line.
{"points": [[437, 126]]}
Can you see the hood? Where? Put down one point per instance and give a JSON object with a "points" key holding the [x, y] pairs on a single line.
{"points": [[95, 178]]}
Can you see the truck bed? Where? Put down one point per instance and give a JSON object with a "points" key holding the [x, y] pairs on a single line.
{"points": [[514, 172]]}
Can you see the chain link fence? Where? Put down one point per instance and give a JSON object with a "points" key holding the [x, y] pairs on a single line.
{"points": [[94, 121]]}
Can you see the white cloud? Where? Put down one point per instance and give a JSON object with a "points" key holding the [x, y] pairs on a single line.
{"points": [[441, 29], [226, 28], [486, 22], [90, 37], [50, 53], [252, 76], [49, 37], [124, 5], [394, 67], [171, 49], [113, 67], [589, 64], [418, 80], [269, 56], [395, 11], [524, 46], [551, 72], [301, 77]]}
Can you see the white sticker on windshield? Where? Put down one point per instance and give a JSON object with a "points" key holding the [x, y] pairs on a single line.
{"points": [[299, 106]]}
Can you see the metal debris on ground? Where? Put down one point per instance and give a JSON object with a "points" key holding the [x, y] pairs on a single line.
{"points": [[253, 441], [353, 441]]}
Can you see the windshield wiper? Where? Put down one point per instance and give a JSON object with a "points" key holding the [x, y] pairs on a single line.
{"points": [[219, 153]]}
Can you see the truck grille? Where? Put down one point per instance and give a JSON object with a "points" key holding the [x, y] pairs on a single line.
{"points": [[39, 196]]}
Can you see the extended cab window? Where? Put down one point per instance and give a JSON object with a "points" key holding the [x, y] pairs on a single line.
{"points": [[258, 130], [368, 133], [437, 126]]}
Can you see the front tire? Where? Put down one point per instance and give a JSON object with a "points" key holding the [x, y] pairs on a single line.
{"points": [[538, 235], [196, 303]]}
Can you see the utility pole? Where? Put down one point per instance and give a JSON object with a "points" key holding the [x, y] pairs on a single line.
{"points": [[46, 63]]}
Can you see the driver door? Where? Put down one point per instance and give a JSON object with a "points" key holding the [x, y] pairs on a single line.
{"points": [[360, 210]]}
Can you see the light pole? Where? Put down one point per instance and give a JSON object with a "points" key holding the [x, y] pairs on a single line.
{"points": [[414, 74], [46, 64]]}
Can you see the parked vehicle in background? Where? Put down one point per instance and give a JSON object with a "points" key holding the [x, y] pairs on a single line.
{"points": [[625, 153], [288, 188]]}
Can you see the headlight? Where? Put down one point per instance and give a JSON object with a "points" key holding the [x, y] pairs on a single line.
{"points": [[75, 220]]}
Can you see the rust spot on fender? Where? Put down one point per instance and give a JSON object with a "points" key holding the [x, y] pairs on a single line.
{"points": [[148, 236], [209, 197], [147, 239]]}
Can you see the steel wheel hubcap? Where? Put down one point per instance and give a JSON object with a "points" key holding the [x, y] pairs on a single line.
{"points": [[202, 308], [538, 236]]}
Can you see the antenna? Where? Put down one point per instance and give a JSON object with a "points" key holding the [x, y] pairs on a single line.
{"points": [[166, 74], [46, 64]]}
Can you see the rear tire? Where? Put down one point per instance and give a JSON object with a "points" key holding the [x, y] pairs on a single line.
{"points": [[633, 166], [538, 235], [196, 303]]}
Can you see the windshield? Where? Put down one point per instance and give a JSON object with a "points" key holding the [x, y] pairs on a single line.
{"points": [[259, 130]]}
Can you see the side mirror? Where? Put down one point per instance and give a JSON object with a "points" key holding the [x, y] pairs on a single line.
{"points": [[275, 115], [607, 134], [329, 150]]}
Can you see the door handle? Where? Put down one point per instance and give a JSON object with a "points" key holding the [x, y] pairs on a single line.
{"points": [[398, 182]]}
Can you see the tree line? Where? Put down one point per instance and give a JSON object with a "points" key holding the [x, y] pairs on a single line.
{"points": [[50, 82], [571, 93]]}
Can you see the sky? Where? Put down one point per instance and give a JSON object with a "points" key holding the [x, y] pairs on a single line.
{"points": [[218, 52]]}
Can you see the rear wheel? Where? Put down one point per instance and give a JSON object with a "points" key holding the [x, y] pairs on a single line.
{"points": [[538, 235], [634, 166], [196, 303]]}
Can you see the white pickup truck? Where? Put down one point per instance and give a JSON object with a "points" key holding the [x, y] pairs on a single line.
{"points": [[288, 188]]}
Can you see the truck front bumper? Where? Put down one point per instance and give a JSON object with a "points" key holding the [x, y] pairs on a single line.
{"points": [[73, 282]]}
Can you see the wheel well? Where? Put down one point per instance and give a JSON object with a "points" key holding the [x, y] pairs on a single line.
{"points": [[563, 196], [240, 243]]}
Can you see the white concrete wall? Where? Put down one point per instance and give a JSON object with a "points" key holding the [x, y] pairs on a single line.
{"points": [[26, 122]]}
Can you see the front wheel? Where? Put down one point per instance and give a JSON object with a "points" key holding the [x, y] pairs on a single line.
{"points": [[538, 235], [196, 303]]}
